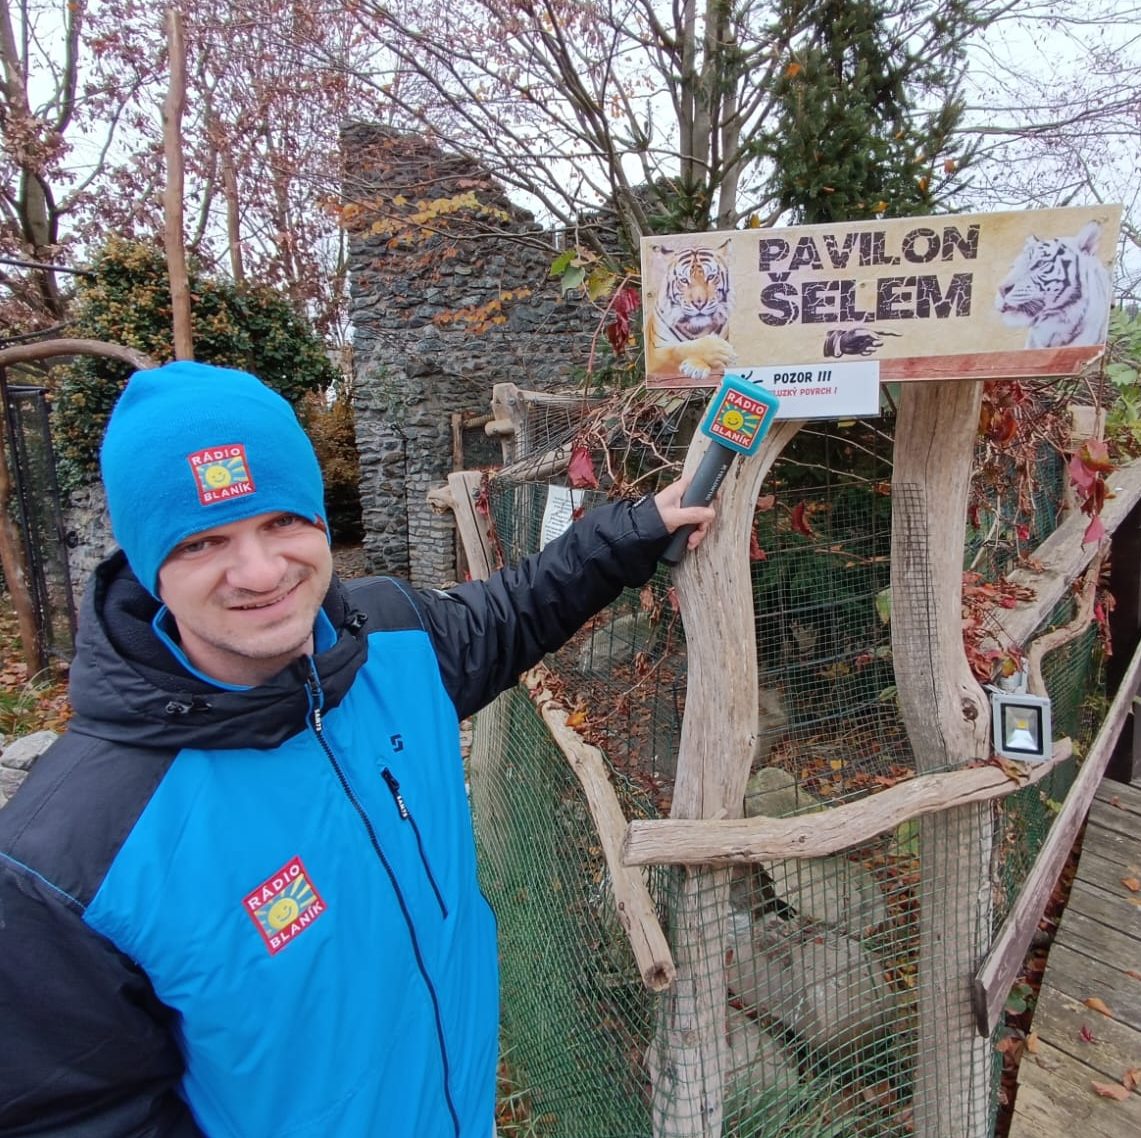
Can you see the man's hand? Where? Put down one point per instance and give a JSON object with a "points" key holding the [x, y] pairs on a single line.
{"points": [[675, 515]]}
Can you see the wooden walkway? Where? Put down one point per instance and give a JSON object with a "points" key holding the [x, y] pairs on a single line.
{"points": [[1096, 955]]}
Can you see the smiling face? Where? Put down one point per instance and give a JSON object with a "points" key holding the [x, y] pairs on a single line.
{"points": [[245, 595]]}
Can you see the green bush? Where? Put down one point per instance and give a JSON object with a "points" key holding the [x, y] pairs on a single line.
{"points": [[127, 301]]}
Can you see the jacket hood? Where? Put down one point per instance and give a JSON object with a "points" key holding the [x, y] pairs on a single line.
{"points": [[127, 687]]}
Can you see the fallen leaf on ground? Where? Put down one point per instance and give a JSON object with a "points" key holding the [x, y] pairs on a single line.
{"points": [[1032, 1043], [1133, 884], [1115, 801], [1098, 1005], [1132, 1078], [1111, 1090], [1086, 1036]]}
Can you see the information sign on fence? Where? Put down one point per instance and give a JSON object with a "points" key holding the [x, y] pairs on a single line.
{"points": [[957, 296]]}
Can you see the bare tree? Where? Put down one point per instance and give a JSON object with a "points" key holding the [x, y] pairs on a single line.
{"points": [[664, 114], [55, 89], [1055, 98]]}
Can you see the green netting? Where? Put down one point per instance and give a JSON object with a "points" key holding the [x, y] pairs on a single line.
{"points": [[826, 985]]}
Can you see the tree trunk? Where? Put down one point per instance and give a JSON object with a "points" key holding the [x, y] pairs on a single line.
{"points": [[946, 715], [714, 586], [14, 562], [172, 109]]}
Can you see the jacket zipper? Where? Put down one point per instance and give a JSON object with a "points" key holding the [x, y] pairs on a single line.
{"points": [[406, 816], [316, 700]]}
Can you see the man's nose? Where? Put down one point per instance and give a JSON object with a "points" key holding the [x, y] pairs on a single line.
{"points": [[255, 565]]}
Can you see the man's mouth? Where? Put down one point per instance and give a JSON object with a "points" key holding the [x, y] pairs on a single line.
{"points": [[253, 606]]}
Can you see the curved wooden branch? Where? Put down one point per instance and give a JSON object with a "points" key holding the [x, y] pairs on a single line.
{"points": [[1055, 638], [47, 349], [1062, 557], [739, 841], [632, 900]]}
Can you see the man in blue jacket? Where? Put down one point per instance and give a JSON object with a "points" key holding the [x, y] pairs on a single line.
{"points": [[238, 898]]}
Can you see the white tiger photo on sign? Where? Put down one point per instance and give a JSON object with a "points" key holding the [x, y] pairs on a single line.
{"points": [[1060, 289]]}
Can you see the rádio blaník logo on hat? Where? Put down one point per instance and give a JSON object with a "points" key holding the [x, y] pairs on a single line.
{"points": [[220, 473]]}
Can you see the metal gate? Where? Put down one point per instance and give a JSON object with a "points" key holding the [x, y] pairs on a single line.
{"points": [[37, 509]]}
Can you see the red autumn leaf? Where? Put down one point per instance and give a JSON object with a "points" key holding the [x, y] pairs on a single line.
{"points": [[1095, 499], [626, 301], [1083, 477], [1095, 531], [1114, 1091], [580, 469], [766, 502], [1086, 1036], [1002, 427], [756, 553], [800, 521], [1095, 455], [1023, 532]]}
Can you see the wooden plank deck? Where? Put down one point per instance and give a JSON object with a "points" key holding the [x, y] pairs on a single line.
{"points": [[1097, 946]]}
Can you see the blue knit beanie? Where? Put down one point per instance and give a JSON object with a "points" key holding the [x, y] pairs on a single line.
{"points": [[190, 447]]}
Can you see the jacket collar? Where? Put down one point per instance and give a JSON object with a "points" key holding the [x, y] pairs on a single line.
{"points": [[127, 686]]}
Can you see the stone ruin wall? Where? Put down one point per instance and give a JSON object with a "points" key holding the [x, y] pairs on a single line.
{"points": [[414, 367], [415, 363]]}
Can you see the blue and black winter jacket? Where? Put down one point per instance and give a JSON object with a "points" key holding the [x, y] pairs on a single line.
{"points": [[255, 914]]}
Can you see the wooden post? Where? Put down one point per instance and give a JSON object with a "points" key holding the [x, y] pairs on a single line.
{"points": [[717, 737], [946, 715]]}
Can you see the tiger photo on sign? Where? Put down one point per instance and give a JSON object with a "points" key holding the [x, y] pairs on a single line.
{"points": [[1058, 288], [686, 328]]}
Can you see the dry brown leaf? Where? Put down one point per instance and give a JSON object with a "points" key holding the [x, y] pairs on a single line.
{"points": [[1131, 1079], [576, 718], [1115, 801], [1111, 1090], [1098, 1005], [1032, 1043], [1133, 884]]}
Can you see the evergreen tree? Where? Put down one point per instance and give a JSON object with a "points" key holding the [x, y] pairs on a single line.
{"points": [[867, 108]]}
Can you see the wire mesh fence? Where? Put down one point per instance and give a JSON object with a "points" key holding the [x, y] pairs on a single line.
{"points": [[829, 967]]}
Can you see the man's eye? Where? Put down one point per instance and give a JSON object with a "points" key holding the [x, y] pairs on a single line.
{"points": [[192, 546], [286, 520]]}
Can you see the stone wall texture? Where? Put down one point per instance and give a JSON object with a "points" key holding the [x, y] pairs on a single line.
{"points": [[450, 294], [87, 526]]}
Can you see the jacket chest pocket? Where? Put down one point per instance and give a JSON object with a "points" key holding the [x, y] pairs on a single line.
{"points": [[407, 818]]}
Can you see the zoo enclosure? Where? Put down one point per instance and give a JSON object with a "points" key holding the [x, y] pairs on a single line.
{"points": [[824, 1032]]}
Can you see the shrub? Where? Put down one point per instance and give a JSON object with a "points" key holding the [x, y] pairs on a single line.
{"points": [[127, 301]]}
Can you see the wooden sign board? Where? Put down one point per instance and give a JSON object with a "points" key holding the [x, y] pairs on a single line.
{"points": [[988, 295]]}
